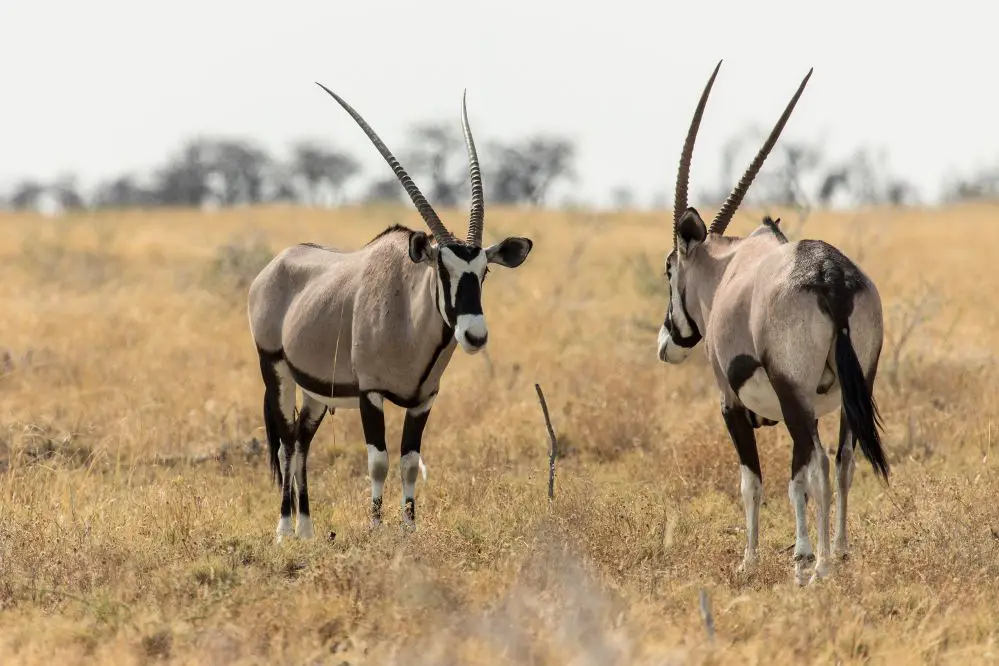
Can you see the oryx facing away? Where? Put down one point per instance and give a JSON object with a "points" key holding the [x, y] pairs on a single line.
{"points": [[793, 331], [387, 316]]}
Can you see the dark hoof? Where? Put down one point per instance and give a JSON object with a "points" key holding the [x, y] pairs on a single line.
{"points": [[806, 559]]}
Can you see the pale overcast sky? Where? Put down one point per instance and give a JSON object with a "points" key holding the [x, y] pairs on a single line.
{"points": [[100, 86]]}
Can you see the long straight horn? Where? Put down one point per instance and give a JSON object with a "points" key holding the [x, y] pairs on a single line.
{"points": [[731, 204], [422, 205], [476, 217], [683, 175]]}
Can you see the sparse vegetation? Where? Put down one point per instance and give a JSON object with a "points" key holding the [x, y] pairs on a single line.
{"points": [[137, 513], [237, 262]]}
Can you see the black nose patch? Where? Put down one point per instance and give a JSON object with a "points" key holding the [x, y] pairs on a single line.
{"points": [[475, 340], [468, 300]]}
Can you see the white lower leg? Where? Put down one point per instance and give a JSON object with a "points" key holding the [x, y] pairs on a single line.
{"points": [[844, 479], [284, 526], [286, 402], [752, 495], [803, 555], [821, 491], [409, 468], [378, 471], [303, 528]]}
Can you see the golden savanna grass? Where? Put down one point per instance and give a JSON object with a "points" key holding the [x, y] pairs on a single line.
{"points": [[137, 514]]}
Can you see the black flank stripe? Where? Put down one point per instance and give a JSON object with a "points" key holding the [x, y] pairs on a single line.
{"points": [[740, 369], [321, 387]]}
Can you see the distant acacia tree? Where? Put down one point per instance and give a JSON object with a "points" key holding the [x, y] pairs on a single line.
{"points": [[525, 171], [227, 172], [282, 186], [384, 190], [435, 156], [62, 193], [27, 195], [786, 178], [622, 197], [184, 179], [239, 171], [982, 185], [733, 152], [799, 175], [865, 179], [122, 192], [797, 163], [66, 193], [320, 168]]}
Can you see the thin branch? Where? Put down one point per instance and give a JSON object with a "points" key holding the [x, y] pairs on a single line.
{"points": [[553, 452], [336, 354], [709, 620]]}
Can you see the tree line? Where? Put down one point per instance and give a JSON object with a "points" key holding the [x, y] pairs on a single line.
{"points": [[222, 172]]}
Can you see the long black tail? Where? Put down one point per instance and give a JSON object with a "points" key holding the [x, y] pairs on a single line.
{"points": [[273, 438], [858, 403]]}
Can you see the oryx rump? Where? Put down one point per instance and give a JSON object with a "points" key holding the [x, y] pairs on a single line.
{"points": [[793, 331]]}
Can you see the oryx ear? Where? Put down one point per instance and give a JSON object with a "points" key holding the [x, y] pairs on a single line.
{"points": [[510, 252], [420, 249], [690, 232]]}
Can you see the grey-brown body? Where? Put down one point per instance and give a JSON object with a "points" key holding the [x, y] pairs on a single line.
{"points": [[356, 328], [793, 331], [764, 281], [372, 310]]}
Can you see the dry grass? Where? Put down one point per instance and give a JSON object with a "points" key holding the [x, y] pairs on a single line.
{"points": [[137, 515]]}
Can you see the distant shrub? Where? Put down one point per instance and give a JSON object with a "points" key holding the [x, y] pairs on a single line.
{"points": [[649, 282], [236, 263], [56, 260]]}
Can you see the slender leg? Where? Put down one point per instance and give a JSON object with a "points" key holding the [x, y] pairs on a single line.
{"points": [[740, 428], [809, 475], [309, 419], [409, 463], [820, 488], [844, 479], [373, 424], [279, 416]]}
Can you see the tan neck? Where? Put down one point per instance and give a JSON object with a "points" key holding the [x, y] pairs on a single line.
{"points": [[704, 274]]}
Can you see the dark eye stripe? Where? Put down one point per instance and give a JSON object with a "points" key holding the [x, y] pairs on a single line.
{"points": [[445, 279], [469, 297]]}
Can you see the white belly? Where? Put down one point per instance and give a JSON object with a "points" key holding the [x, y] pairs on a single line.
{"points": [[759, 397], [334, 403]]}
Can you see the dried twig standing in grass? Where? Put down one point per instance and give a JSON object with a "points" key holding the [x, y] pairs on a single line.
{"points": [[553, 452], [709, 620], [336, 354]]}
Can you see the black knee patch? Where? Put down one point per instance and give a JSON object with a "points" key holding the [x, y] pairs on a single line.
{"points": [[286, 501], [372, 422], [739, 422], [412, 432], [303, 502]]}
